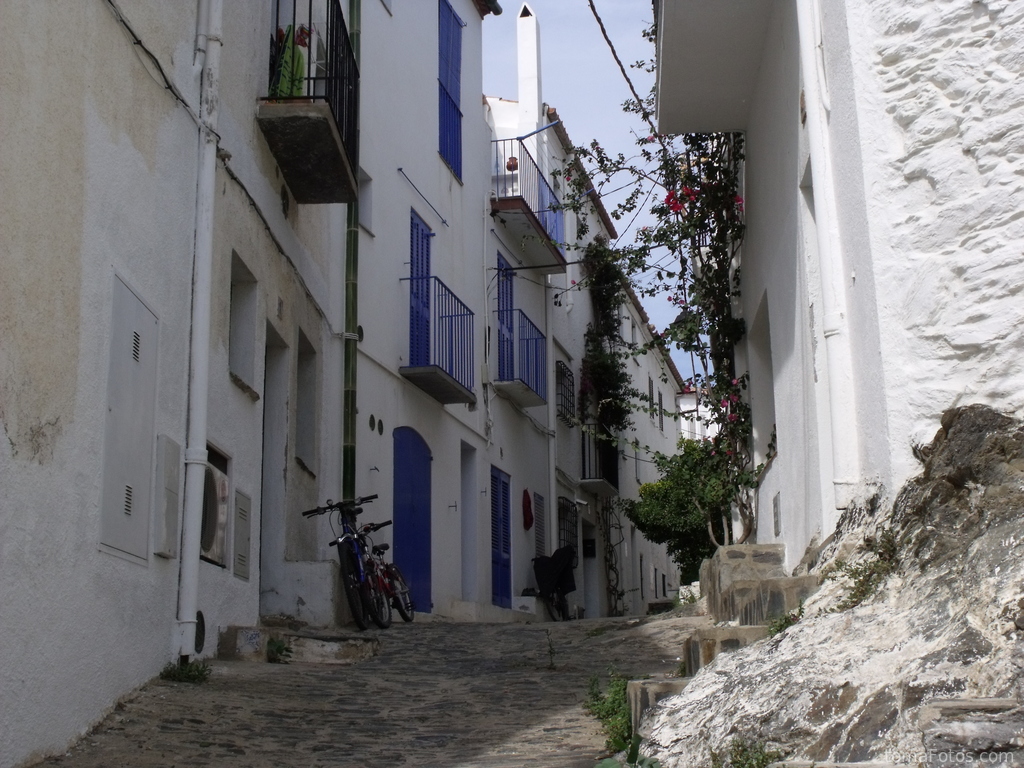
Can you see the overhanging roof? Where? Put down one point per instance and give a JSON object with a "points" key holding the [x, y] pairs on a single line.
{"points": [[709, 53]]}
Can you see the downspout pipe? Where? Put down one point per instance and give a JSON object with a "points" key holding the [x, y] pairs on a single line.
{"points": [[348, 396], [846, 468], [202, 289]]}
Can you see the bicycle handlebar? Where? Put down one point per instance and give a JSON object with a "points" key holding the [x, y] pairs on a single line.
{"points": [[371, 527], [332, 506]]}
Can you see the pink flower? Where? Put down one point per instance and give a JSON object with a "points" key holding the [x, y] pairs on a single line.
{"points": [[735, 382], [733, 417], [673, 202], [739, 203], [725, 403], [690, 193], [734, 398]]}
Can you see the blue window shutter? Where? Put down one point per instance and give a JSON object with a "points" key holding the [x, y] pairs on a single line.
{"points": [[501, 539], [506, 344], [419, 292], [449, 34]]}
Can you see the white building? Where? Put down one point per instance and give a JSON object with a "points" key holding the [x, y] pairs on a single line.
{"points": [[183, 369], [881, 261]]}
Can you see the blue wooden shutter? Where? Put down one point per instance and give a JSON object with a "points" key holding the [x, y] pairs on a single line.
{"points": [[506, 344], [501, 539], [449, 33], [419, 292]]}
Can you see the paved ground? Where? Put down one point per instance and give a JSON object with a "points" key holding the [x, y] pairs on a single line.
{"points": [[438, 694]]}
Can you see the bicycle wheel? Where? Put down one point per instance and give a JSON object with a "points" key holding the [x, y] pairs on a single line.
{"points": [[403, 598], [381, 604], [550, 601], [351, 585]]}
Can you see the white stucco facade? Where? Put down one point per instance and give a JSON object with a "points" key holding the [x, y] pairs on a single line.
{"points": [[881, 257], [101, 369]]}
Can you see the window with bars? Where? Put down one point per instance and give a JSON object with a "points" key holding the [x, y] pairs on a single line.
{"points": [[650, 395], [568, 526], [449, 29], [566, 384]]}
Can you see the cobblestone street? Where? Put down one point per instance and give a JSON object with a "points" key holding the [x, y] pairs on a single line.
{"points": [[438, 694]]}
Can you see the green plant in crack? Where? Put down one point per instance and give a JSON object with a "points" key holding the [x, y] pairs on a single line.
{"points": [[633, 758], [866, 577], [612, 709], [191, 672], [278, 651], [784, 622], [744, 753]]}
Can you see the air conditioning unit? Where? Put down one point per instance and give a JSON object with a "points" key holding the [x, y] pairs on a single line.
{"points": [[215, 517]]}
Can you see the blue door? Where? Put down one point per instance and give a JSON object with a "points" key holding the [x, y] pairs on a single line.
{"points": [[419, 292], [506, 345], [501, 539], [412, 513]]}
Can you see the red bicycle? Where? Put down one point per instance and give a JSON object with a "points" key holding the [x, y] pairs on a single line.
{"points": [[387, 576]]}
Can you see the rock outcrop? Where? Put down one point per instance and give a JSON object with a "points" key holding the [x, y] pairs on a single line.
{"points": [[873, 682]]}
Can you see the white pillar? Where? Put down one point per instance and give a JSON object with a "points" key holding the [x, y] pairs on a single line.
{"points": [[842, 398]]}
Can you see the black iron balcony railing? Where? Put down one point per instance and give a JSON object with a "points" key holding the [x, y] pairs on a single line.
{"points": [[518, 177], [522, 353], [600, 471], [313, 83], [440, 342]]}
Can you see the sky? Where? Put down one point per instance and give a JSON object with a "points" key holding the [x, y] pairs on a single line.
{"points": [[581, 80]]}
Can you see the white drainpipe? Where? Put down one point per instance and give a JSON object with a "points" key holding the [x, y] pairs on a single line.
{"points": [[846, 471], [209, 41]]}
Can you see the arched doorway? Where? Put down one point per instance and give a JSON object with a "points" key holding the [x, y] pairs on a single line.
{"points": [[412, 513]]}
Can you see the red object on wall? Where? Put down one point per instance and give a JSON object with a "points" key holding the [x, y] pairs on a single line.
{"points": [[527, 510]]}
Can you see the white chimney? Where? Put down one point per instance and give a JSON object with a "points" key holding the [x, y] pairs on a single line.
{"points": [[528, 59]]}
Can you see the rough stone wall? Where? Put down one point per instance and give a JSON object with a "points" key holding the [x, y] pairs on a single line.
{"points": [[852, 685], [942, 120]]}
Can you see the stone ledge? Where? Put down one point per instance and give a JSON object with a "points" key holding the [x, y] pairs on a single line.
{"points": [[308, 646], [701, 648], [644, 694]]}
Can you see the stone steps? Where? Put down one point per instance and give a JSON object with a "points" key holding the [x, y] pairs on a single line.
{"points": [[318, 646], [644, 694]]}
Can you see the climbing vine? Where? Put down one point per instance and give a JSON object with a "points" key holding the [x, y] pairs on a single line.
{"points": [[690, 253]]}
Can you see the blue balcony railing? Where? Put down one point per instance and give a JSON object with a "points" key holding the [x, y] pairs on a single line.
{"points": [[522, 351], [517, 175], [440, 330]]}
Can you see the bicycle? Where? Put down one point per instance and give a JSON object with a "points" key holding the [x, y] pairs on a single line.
{"points": [[555, 581], [389, 576], [366, 598]]}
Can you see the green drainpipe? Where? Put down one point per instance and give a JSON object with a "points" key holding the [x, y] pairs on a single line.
{"points": [[348, 448]]}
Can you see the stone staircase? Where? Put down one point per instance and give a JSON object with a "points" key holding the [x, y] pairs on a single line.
{"points": [[746, 587]]}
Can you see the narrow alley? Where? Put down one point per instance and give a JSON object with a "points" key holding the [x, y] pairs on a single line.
{"points": [[437, 694]]}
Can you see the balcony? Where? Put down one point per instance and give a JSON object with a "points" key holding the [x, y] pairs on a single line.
{"points": [[600, 473], [310, 114], [522, 359], [529, 207], [440, 342], [705, 86]]}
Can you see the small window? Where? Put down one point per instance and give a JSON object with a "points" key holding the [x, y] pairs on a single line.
{"points": [[305, 405], [566, 393], [661, 411], [242, 323], [650, 396]]}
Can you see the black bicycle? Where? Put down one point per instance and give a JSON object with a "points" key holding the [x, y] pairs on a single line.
{"points": [[555, 580], [359, 576]]}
